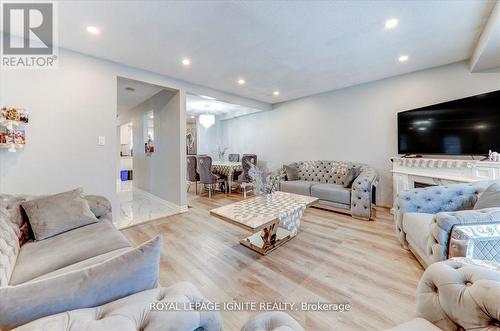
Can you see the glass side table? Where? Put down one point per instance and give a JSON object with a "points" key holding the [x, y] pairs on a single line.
{"points": [[476, 241]]}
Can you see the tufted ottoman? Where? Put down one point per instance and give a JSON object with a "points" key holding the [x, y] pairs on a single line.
{"points": [[455, 295], [134, 313], [272, 321]]}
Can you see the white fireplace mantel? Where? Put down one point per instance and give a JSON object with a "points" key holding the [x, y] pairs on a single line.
{"points": [[406, 172]]}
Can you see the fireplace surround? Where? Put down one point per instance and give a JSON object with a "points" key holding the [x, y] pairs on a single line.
{"points": [[408, 173]]}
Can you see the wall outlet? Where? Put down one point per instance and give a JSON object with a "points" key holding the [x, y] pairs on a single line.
{"points": [[101, 141]]}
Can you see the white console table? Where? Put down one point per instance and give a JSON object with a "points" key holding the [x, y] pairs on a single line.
{"points": [[407, 172]]}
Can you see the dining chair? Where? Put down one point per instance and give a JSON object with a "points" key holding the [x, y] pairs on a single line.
{"points": [[192, 175], [244, 178], [207, 177], [233, 157]]}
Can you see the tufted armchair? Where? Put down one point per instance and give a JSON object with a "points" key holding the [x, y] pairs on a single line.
{"points": [[457, 295], [425, 217], [328, 181]]}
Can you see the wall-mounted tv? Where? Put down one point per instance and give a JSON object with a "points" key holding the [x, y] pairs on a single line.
{"points": [[469, 126]]}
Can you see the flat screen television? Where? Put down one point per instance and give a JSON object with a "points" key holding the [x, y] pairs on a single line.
{"points": [[469, 126]]}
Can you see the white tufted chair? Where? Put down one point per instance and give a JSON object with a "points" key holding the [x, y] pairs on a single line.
{"points": [[455, 295]]}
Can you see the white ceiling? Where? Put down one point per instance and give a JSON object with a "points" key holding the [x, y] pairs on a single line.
{"points": [[129, 99], [297, 47], [197, 105]]}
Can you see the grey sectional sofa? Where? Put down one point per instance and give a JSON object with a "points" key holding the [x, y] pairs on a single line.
{"points": [[52, 261], [323, 179]]}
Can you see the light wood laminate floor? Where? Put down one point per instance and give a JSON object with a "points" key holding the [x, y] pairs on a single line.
{"points": [[334, 258]]}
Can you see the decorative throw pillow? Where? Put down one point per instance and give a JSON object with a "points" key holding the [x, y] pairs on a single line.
{"points": [[349, 176], [291, 172], [55, 214], [131, 272], [490, 198]]}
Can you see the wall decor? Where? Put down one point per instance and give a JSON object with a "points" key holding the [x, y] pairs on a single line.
{"points": [[12, 133], [191, 141]]}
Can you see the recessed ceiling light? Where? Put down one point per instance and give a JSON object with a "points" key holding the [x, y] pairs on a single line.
{"points": [[403, 58], [276, 93], [186, 62], [130, 89], [192, 116], [93, 29], [207, 97], [391, 23], [241, 81]]}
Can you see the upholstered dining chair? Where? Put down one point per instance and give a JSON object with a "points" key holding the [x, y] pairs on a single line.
{"points": [[192, 175], [233, 157], [207, 177], [244, 178]]}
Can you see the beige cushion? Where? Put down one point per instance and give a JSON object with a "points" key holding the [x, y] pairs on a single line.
{"points": [[42, 257], [129, 273], [417, 229], [416, 324], [54, 214]]}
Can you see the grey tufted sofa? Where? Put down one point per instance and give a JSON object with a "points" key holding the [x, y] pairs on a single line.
{"points": [[425, 217], [456, 295], [322, 179], [74, 250]]}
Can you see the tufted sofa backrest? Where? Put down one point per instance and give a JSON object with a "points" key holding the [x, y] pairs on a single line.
{"points": [[455, 295], [325, 171]]}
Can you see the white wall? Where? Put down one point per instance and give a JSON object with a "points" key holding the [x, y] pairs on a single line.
{"points": [[357, 123], [70, 107], [209, 138]]}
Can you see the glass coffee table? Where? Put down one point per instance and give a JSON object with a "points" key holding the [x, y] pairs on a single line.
{"points": [[272, 219]]}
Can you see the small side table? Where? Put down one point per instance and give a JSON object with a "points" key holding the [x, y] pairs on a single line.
{"points": [[476, 241]]}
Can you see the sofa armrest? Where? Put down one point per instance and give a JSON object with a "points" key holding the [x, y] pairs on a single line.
{"points": [[361, 193], [100, 206], [442, 224], [435, 199], [455, 295]]}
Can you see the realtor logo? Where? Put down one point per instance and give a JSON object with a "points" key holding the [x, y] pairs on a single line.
{"points": [[28, 36]]}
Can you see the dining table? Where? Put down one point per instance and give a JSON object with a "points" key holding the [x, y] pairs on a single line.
{"points": [[228, 169]]}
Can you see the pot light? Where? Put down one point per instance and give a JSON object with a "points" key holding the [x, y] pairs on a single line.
{"points": [[186, 62], [276, 93], [207, 97], [403, 58], [391, 23], [93, 29], [207, 120], [241, 81]]}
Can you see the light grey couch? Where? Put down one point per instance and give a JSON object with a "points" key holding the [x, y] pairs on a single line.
{"points": [[425, 217], [79, 250], [322, 179], [456, 295]]}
